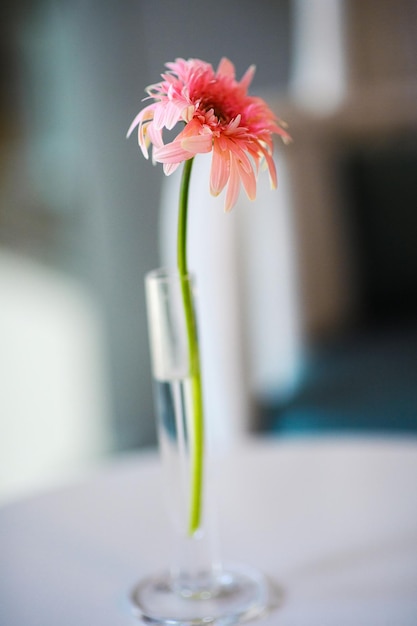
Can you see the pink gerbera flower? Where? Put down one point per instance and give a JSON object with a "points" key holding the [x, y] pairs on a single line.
{"points": [[219, 116]]}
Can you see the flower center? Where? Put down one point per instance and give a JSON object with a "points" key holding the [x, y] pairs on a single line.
{"points": [[220, 114], [218, 108]]}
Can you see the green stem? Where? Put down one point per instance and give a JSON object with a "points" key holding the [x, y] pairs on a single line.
{"points": [[197, 426]]}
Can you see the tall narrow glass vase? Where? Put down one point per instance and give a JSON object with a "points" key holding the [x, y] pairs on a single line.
{"points": [[196, 587]]}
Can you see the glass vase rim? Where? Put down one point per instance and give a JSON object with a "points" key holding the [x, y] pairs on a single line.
{"points": [[167, 275]]}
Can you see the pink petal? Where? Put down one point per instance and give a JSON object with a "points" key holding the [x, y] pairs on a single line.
{"points": [[144, 115], [171, 153], [173, 113], [247, 77], [169, 168], [226, 68], [219, 172], [166, 114], [271, 168], [241, 155], [280, 130], [143, 140], [155, 135], [249, 182], [234, 124], [188, 112], [233, 186], [133, 125], [222, 142], [197, 143]]}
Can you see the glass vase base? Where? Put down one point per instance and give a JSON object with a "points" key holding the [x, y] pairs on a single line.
{"points": [[234, 596]]}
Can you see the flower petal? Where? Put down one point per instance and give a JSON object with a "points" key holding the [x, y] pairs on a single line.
{"points": [[271, 168], [173, 113], [226, 68], [247, 77], [171, 153], [145, 115], [169, 168], [220, 168], [197, 143], [233, 186], [154, 135], [143, 140], [249, 181], [240, 154], [167, 113], [234, 124]]}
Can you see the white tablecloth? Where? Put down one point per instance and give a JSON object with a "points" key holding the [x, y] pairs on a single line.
{"points": [[334, 522]]}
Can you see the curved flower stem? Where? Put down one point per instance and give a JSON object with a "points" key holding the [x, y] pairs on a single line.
{"points": [[197, 426]]}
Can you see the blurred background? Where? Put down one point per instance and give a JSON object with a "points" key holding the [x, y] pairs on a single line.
{"points": [[319, 288]]}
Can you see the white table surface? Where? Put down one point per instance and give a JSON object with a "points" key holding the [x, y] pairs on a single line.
{"points": [[333, 521]]}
